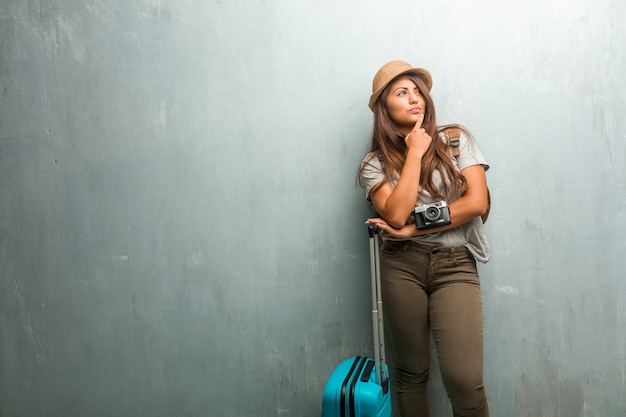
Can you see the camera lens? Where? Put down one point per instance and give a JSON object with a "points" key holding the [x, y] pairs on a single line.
{"points": [[431, 213]]}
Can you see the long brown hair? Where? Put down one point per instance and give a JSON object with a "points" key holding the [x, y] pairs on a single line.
{"points": [[389, 146]]}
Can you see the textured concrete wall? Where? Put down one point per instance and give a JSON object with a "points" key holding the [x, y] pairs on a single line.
{"points": [[180, 231]]}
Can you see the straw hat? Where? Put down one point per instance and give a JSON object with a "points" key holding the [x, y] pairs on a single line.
{"points": [[391, 70]]}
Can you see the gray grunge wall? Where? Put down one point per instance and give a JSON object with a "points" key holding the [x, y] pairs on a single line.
{"points": [[180, 229]]}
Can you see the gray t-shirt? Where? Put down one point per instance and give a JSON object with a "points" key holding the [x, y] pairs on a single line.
{"points": [[470, 234]]}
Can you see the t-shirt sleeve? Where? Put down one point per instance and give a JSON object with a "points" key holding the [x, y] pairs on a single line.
{"points": [[371, 174], [469, 153]]}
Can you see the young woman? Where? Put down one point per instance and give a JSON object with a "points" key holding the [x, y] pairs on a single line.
{"points": [[429, 280]]}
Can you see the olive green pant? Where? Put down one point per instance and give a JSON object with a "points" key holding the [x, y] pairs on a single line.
{"points": [[434, 291]]}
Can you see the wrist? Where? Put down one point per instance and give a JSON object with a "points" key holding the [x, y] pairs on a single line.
{"points": [[414, 157]]}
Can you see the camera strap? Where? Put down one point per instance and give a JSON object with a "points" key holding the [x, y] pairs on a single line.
{"points": [[453, 139]]}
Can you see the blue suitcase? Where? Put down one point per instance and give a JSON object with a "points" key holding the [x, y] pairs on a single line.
{"points": [[359, 386]]}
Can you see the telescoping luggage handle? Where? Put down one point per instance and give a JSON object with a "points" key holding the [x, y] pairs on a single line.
{"points": [[377, 310]]}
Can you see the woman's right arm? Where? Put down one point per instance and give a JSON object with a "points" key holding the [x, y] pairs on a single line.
{"points": [[395, 204]]}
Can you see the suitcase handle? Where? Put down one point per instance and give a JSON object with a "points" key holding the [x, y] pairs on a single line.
{"points": [[377, 309]]}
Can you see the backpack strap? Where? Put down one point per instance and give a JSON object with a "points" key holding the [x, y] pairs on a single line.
{"points": [[453, 138]]}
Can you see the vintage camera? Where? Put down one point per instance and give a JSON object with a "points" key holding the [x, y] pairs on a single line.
{"points": [[432, 215]]}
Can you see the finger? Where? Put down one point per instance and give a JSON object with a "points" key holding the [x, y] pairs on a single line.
{"points": [[418, 123], [375, 223]]}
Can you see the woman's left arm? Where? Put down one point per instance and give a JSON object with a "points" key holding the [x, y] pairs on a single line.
{"points": [[472, 204]]}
